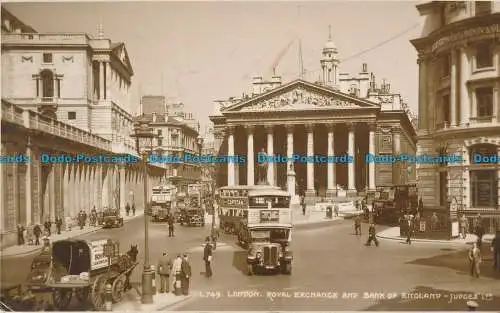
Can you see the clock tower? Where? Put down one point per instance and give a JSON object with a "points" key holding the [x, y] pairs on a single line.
{"points": [[330, 63]]}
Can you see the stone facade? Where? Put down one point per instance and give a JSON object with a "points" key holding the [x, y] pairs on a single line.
{"points": [[177, 133], [459, 107], [337, 116]]}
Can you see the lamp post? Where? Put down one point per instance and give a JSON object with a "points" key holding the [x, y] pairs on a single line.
{"points": [[143, 133], [199, 141]]}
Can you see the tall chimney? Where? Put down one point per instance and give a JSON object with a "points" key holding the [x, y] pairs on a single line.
{"points": [[365, 68]]}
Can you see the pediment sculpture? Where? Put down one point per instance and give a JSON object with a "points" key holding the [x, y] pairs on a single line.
{"points": [[296, 99]]}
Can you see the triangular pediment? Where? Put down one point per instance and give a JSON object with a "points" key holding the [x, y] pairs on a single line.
{"points": [[121, 54], [299, 95]]}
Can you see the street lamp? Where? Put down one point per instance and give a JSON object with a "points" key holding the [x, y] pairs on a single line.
{"points": [[144, 135]]}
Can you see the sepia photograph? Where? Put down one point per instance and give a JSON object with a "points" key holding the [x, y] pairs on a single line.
{"points": [[252, 156]]}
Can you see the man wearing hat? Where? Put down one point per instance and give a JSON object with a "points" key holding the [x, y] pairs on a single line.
{"points": [[176, 274], [207, 257], [472, 305], [164, 268], [185, 275], [46, 245]]}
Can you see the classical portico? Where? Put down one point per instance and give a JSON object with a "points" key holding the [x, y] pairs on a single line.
{"points": [[320, 133]]}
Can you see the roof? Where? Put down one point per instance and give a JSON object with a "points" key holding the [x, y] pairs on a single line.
{"points": [[269, 225], [15, 23]]}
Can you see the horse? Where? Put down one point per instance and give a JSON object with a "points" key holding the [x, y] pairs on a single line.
{"points": [[133, 252]]}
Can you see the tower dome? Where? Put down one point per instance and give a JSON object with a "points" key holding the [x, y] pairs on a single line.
{"points": [[329, 45]]}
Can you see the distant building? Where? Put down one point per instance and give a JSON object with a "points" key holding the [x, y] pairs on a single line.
{"points": [[177, 134], [208, 169], [79, 79], [338, 115], [459, 108]]}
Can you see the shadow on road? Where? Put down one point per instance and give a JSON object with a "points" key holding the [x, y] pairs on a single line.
{"points": [[459, 261], [240, 261], [448, 301]]}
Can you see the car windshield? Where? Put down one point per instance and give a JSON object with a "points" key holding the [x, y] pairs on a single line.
{"points": [[260, 235]]}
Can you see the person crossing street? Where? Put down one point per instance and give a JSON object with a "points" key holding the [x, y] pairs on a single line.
{"points": [[372, 236], [207, 257], [357, 225]]}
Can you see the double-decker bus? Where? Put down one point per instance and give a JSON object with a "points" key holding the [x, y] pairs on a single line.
{"points": [[162, 201], [261, 217]]}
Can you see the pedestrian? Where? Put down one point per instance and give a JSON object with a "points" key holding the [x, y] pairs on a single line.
{"points": [[336, 209], [214, 235], [372, 236], [46, 246], [495, 249], [475, 260], [479, 230], [20, 235], [357, 225], [93, 217], [185, 275], [37, 231], [127, 209], [48, 226], [59, 223], [84, 218], [434, 222], [207, 257], [164, 268], [133, 209], [81, 221], [171, 221], [303, 204], [176, 274], [464, 225], [409, 229]]}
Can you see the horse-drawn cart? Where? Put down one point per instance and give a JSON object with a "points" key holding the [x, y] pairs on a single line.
{"points": [[84, 269]]}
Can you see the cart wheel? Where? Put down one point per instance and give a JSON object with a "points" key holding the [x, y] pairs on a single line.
{"points": [[62, 298], [98, 292], [118, 289], [82, 294]]}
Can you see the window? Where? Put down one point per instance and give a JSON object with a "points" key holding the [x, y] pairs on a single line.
{"points": [[484, 55], [446, 108], [446, 65], [484, 188], [47, 58], [71, 115], [47, 78], [479, 150], [159, 132], [483, 7], [443, 188], [160, 142], [484, 99]]}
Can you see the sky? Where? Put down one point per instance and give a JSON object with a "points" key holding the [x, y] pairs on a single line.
{"points": [[198, 52]]}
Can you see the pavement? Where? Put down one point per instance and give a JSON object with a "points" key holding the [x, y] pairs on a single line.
{"points": [[16, 251], [161, 301], [393, 233]]}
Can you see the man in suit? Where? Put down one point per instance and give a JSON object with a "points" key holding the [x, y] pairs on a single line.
{"points": [[185, 275], [475, 260], [372, 236], [207, 257], [164, 268], [357, 225], [171, 220]]}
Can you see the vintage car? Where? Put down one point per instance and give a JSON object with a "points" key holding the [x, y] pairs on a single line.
{"points": [[269, 250], [193, 217], [109, 218]]}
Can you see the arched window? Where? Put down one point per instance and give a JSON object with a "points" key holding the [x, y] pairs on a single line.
{"points": [[47, 78], [483, 181]]}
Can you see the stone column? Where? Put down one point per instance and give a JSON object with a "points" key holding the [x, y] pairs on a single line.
{"points": [[270, 153], [464, 88], [331, 190], [289, 145], [422, 92], [3, 203], [310, 192], [99, 186], [250, 156], [123, 190], [351, 178], [65, 190], [453, 88], [371, 150], [52, 192], [396, 167], [230, 152], [101, 80], [107, 81], [496, 103], [29, 175]]}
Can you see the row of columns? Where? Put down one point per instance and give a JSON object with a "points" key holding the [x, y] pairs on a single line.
{"points": [[56, 83], [460, 94], [331, 179], [104, 81]]}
